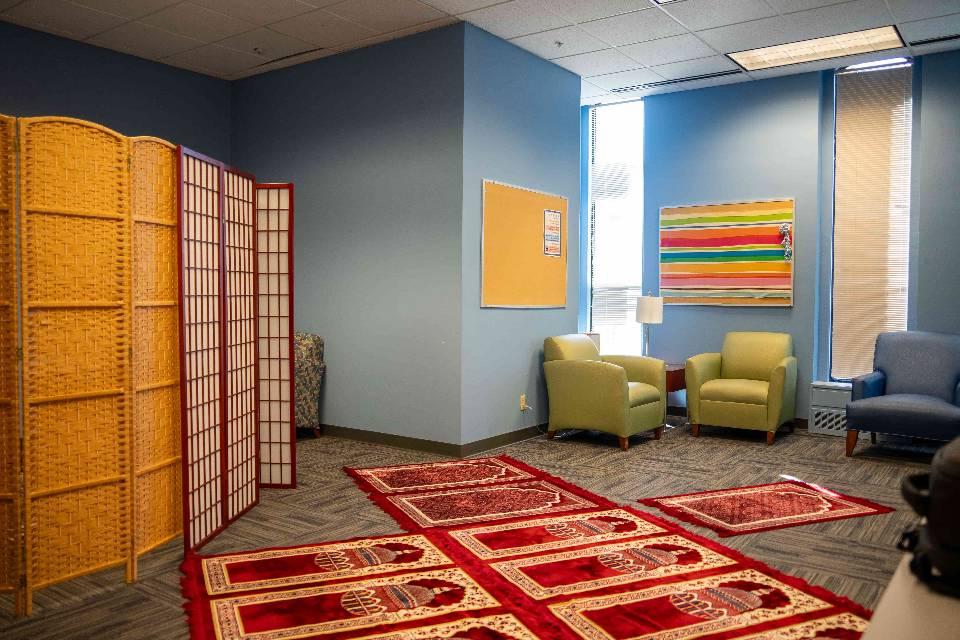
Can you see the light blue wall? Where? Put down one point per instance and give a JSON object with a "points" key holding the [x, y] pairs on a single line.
{"points": [[522, 127], [44, 75], [936, 195], [373, 141], [757, 140]]}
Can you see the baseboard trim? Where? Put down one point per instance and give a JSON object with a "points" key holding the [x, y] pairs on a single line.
{"points": [[431, 446]]}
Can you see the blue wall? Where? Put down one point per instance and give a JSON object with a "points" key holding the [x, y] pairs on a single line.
{"points": [[522, 127], [756, 140], [936, 195], [372, 140], [44, 75]]}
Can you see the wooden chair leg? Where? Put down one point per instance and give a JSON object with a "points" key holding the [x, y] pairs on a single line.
{"points": [[317, 432], [852, 435], [551, 434], [695, 430], [658, 433], [771, 436], [624, 443]]}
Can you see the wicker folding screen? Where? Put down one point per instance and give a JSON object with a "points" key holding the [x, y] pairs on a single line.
{"points": [[278, 433], [240, 343], [76, 331], [158, 514], [9, 364], [110, 266]]}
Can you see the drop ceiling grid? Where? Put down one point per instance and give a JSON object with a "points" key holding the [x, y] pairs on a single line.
{"points": [[602, 40]]}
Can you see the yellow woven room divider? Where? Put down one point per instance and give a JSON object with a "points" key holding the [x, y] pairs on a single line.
{"points": [[75, 235], [9, 410], [158, 514]]}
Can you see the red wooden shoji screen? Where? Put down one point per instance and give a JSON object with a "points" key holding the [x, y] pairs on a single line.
{"points": [[201, 187], [275, 263], [240, 342]]}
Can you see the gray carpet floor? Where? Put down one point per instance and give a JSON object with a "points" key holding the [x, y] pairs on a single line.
{"points": [[854, 557]]}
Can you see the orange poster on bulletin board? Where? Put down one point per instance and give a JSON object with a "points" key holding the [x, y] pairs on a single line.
{"points": [[524, 253]]}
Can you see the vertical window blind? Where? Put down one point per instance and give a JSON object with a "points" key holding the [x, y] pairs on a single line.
{"points": [[871, 233], [616, 224]]}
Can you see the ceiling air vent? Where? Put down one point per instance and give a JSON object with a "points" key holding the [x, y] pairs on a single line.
{"points": [[288, 57], [955, 36], [664, 83]]}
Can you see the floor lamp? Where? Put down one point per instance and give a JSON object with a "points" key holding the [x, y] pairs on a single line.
{"points": [[649, 311]]}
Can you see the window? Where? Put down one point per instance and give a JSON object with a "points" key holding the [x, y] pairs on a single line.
{"points": [[871, 227], [616, 224]]}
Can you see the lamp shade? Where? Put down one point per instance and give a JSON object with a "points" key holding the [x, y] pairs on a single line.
{"points": [[650, 309]]}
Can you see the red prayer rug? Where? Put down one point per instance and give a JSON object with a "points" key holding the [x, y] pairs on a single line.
{"points": [[733, 512], [574, 566]]}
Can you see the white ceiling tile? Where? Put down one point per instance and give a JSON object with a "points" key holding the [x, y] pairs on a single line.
{"points": [[686, 46], [6, 4], [197, 22], [385, 15], [574, 41], [623, 79], [143, 40], [266, 43], [258, 12], [215, 59], [63, 17], [704, 14], [587, 10], [634, 27], [931, 28], [789, 6], [597, 63], [454, 7], [688, 68], [907, 10], [803, 25], [515, 19], [126, 8], [322, 29], [751, 35], [588, 90]]}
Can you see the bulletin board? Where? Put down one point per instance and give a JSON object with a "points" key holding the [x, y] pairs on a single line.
{"points": [[524, 248]]}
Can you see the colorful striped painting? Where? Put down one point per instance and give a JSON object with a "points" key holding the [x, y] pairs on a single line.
{"points": [[738, 254]]}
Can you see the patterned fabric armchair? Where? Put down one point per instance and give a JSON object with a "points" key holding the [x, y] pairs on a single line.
{"points": [[914, 389], [622, 395], [308, 370], [750, 384]]}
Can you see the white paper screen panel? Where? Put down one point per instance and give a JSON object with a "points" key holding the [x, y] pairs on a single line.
{"points": [[275, 291], [200, 198], [240, 342]]}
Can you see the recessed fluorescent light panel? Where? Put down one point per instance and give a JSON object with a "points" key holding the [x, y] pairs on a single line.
{"points": [[845, 44]]}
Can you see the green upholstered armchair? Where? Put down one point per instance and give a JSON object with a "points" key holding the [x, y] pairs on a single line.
{"points": [[750, 384], [622, 395]]}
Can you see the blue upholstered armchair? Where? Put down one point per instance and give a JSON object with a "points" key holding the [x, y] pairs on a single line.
{"points": [[914, 389]]}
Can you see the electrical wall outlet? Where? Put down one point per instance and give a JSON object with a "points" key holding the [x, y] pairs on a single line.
{"points": [[523, 402]]}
